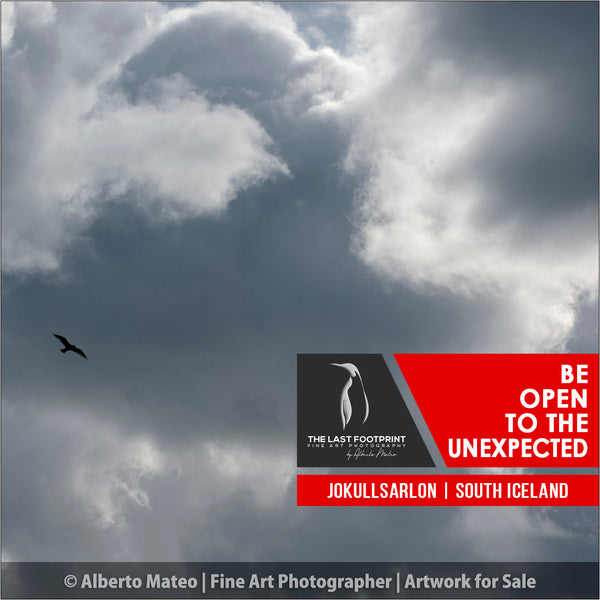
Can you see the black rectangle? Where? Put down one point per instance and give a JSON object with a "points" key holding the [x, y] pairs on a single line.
{"points": [[309, 580]]}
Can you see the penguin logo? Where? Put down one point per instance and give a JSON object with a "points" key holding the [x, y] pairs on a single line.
{"points": [[345, 404]]}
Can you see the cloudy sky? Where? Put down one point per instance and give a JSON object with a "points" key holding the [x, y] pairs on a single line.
{"points": [[196, 193]]}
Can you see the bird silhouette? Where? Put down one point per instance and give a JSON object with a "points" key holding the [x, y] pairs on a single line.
{"points": [[345, 404], [68, 346]]}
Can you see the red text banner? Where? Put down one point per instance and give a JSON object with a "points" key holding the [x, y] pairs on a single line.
{"points": [[508, 410], [447, 490]]}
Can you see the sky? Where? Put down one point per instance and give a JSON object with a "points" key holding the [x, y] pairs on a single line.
{"points": [[194, 194]]}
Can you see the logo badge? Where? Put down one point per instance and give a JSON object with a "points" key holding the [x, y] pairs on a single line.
{"points": [[351, 414]]}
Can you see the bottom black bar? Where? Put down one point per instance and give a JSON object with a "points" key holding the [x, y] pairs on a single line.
{"points": [[300, 580]]}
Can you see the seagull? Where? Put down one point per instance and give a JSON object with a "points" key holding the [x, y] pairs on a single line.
{"points": [[68, 346]]}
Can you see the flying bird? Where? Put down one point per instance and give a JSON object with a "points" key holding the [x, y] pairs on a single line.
{"points": [[68, 346]]}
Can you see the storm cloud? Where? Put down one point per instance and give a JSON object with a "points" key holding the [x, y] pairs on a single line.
{"points": [[195, 194]]}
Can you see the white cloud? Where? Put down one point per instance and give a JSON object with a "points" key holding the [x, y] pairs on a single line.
{"points": [[108, 483], [36, 14], [8, 22], [86, 470], [176, 153], [76, 141], [128, 495], [186, 156], [421, 212], [417, 118]]}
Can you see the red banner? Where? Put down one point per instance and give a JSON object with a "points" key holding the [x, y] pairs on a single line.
{"points": [[447, 490], [508, 410]]}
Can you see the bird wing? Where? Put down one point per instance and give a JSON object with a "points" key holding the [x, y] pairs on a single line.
{"points": [[63, 339], [80, 352]]}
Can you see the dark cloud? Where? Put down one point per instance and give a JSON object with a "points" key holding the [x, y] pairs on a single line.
{"points": [[162, 444], [195, 326], [540, 154], [521, 38]]}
